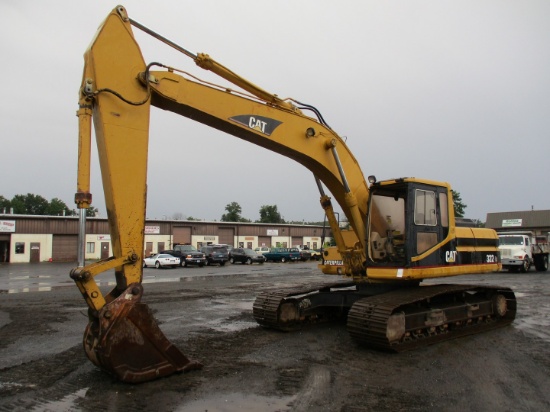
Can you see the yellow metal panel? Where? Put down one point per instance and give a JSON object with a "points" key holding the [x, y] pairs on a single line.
{"points": [[112, 64], [431, 272]]}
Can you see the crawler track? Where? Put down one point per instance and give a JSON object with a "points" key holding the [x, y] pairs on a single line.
{"points": [[396, 320], [431, 314], [287, 310]]}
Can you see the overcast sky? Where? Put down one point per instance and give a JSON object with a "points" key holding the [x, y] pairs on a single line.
{"points": [[456, 91]]}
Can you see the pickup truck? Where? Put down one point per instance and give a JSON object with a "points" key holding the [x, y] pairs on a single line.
{"points": [[282, 254], [188, 254], [519, 251]]}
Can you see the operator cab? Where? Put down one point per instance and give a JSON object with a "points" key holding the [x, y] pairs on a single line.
{"points": [[407, 219]]}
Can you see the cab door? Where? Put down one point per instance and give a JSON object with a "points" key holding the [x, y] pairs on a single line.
{"points": [[429, 222]]}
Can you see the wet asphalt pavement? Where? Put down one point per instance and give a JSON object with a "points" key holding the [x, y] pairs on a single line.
{"points": [[206, 312], [48, 276]]}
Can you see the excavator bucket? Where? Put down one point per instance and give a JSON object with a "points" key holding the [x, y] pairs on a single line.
{"points": [[125, 341]]}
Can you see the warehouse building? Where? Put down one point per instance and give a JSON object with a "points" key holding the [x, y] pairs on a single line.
{"points": [[536, 221], [26, 238]]}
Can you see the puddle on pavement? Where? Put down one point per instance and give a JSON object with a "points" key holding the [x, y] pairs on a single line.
{"points": [[154, 279], [237, 402], [28, 283], [230, 309], [68, 403], [221, 315], [537, 326], [232, 326], [11, 385], [32, 289], [47, 283]]}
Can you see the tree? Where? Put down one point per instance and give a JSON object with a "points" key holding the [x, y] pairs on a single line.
{"points": [[270, 214], [57, 207], [459, 206], [4, 204], [91, 211], [233, 213], [29, 204], [181, 216], [479, 223]]}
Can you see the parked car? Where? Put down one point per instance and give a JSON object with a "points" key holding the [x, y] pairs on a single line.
{"points": [[316, 254], [262, 249], [215, 255], [225, 245], [245, 255], [281, 254], [161, 260], [305, 255], [188, 254]]}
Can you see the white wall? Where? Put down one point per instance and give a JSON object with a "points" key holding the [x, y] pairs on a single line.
{"points": [[46, 244], [45, 241]]}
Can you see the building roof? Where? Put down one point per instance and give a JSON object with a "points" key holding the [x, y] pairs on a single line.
{"points": [[466, 222], [528, 219]]}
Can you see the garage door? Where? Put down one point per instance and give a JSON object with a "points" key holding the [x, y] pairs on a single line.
{"points": [[65, 248], [182, 234], [226, 236]]}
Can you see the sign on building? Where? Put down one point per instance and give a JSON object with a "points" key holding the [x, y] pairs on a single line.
{"points": [[511, 222], [7, 226]]}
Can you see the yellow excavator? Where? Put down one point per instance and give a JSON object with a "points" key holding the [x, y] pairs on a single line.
{"points": [[402, 231]]}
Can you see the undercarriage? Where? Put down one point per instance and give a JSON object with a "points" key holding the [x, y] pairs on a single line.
{"points": [[390, 317]]}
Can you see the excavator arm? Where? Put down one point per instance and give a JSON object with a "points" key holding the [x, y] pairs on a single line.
{"points": [[116, 93], [122, 336]]}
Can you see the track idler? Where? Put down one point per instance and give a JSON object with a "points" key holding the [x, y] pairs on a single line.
{"points": [[125, 340]]}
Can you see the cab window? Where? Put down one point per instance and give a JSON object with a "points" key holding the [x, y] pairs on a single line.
{"points": [[424, 208], [444, 209]]}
